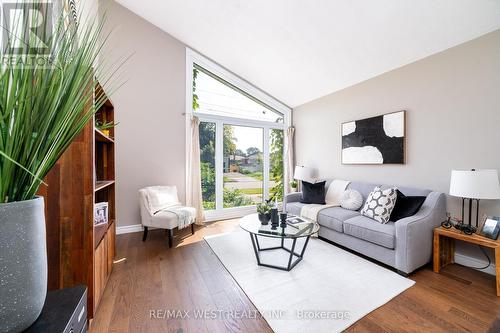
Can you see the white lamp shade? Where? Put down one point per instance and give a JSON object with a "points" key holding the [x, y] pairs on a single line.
{"points": [[478, 184], [303, 173]]}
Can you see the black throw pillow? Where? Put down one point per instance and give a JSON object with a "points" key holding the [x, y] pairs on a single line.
{"points": [[313, 193], [406, 206]]}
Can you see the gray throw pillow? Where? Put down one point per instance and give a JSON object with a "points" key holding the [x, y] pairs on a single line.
{"points": [[351, 199], [379, 204]]}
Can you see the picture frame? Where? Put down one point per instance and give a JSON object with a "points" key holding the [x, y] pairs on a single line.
{"points": [[101, 213], [491, 227], [378, 140]]}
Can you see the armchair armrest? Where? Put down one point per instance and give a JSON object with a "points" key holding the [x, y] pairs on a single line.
{"points": [[291, 197], [414, 234]]}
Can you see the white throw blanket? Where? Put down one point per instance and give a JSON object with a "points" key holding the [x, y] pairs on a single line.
{"points": [[186, 215], [332, 199]]}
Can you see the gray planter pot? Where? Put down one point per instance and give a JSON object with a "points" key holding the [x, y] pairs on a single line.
{"points": [[23, 263]]}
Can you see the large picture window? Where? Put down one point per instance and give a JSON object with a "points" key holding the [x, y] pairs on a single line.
{"points": [[241, 140]]}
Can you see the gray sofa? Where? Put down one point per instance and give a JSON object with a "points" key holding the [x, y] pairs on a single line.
{"points": [[405, 245]]}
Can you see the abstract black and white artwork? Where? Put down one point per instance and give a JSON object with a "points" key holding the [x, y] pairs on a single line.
{"points": [[376, 140]]}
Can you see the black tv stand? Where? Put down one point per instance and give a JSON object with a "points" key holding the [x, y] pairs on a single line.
{"points": [[64, 311]]}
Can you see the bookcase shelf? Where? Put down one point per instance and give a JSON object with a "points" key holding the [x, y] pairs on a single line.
{"points": [[102, 184], [101, 137]]}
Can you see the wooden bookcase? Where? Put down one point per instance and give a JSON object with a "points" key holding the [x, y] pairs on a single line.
{"points": [[104, 191], [79, 252]]}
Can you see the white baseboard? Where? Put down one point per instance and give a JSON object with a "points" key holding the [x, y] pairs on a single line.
{"points": [[228, 213], [474, 262], [127, 229]]}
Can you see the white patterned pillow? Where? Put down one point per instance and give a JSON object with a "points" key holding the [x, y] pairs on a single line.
{"points": [[351, 199], [379, 204]]}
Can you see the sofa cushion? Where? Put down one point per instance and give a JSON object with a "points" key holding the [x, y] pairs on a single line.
{"points": [[294, 208], [406, 206], [380, 204], [364, 188], [333, 217], [351, 199], [409, 191], [313, 193], [369, 230]]}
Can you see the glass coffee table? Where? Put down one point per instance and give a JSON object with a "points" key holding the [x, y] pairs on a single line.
{"points": [[253, 226]]}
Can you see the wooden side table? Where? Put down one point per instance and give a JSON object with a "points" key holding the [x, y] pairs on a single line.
{"points": [[444, 248]]}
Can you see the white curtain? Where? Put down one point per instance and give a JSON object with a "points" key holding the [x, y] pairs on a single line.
{"points": [[290, 163], [193, 190]]}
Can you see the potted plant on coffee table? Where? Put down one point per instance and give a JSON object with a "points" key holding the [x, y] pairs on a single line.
{"points": [[44, 105], [264, 212]]}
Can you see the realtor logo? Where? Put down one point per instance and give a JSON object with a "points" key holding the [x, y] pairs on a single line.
{"points": [[26, 33], [27, 27]]}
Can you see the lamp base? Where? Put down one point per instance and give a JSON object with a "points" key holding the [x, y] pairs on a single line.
{"points": [[465, 228]]}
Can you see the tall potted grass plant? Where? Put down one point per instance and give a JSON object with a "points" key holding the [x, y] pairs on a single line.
{"points": [[47, 97]]}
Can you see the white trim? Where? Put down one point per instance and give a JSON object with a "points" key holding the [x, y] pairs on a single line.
{"points": [[188, 114], [228, 213], [127, 229], [266, 164], [238, 121], [193, 57], [474, 262], [231, 213], [219, 165]]}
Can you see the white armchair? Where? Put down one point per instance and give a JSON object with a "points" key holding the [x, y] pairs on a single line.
{"points": [[160, 208]]}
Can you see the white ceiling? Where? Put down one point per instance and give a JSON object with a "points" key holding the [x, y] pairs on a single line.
{"points": [[299, 50]]}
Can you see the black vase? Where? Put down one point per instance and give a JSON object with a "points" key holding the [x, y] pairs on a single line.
{"points": [[283, 217], [264, 218], [275, 220]]}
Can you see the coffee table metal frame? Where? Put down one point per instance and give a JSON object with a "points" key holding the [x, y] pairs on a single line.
{"points": [[291, 262]]}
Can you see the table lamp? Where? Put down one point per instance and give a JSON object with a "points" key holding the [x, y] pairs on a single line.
{"points": [[474, 185], [304, 173]]}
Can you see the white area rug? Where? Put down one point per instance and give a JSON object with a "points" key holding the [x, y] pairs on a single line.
{"points": [[329, 282]]}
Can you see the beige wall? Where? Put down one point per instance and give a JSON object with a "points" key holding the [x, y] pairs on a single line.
{"points": [[453, 120], [150, 139]]}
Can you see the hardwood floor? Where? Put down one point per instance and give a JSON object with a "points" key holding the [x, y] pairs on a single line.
{"points": [[148, 276]]}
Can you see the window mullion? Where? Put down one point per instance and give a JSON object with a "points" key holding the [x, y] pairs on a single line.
{"points": [[238, 121], [265, 172], [219, 165]]}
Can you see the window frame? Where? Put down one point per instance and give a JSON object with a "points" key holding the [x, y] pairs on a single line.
{"points": [[192, 58]]}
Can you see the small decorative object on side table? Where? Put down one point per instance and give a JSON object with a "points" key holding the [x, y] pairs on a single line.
{"points": [[491, 227], [444, 248]]}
